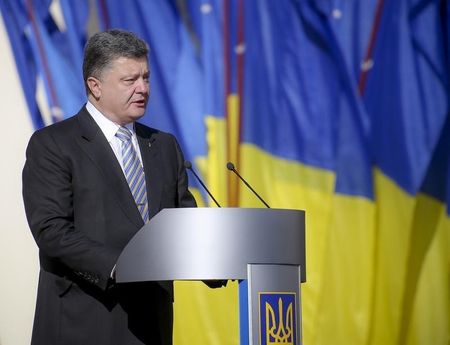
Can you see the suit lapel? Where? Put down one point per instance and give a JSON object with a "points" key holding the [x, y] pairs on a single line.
{"points": [[150, 153], [95, 145]]}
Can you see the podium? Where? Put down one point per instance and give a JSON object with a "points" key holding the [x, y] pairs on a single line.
{"points": [[263, 247]]}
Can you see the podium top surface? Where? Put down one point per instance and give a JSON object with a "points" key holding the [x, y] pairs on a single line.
{"points": [[212, 243]]}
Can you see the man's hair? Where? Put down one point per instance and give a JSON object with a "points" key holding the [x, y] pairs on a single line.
{"points": [[105, 47]]}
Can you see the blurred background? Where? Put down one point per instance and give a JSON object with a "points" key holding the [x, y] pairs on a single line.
{"points": [[336, 107]]}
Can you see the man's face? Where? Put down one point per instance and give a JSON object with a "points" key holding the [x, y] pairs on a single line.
{"points": [[123, 90]]}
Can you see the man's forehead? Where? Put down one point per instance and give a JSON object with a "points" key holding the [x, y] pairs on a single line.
{"points": [[128, 63], [125, 60]]}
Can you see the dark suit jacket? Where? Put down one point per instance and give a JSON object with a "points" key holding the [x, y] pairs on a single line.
{"points": [[82, 214]]}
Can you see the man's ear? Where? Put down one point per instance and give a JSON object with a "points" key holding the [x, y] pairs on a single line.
{"points": [[94, 86]]}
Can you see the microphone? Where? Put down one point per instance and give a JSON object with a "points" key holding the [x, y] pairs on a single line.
{"points": [[188, 165], [230, 166]]}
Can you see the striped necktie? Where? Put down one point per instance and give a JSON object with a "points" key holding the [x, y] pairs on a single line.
{"points": [[134, 172]]}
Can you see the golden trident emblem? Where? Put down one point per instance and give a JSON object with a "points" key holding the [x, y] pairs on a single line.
{"points": [[283, 333]]}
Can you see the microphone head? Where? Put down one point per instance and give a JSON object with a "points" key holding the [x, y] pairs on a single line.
{"points": [[187, 164], [230, 166]]}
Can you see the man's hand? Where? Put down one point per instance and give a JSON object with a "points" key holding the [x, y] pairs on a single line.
{"points": [[214, 284]]}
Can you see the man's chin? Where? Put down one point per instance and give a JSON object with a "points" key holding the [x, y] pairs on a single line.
{"points": [[137, 115]]}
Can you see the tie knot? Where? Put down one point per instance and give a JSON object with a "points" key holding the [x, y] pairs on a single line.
{"points": [[123, 134]]}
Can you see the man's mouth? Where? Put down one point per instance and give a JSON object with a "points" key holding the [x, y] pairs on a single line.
{"points": [[140, 102]]}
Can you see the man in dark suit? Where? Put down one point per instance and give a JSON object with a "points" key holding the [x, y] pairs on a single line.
{"points": [[82, 204]]}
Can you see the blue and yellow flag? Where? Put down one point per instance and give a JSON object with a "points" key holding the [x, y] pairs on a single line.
{"points": [[338, 108]]}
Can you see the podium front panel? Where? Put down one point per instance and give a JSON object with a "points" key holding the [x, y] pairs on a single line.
{"points": [[274, 305]]}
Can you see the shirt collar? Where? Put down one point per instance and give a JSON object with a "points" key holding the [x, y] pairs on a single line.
{"points": [[108, 127]]}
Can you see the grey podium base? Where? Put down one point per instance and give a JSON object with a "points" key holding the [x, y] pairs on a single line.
{"points": [[274, 305]]}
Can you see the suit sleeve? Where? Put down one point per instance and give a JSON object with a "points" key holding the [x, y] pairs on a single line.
{"points": [[48, 199], [185, 198]]}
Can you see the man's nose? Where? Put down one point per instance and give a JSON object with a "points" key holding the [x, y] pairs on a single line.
{"points": [[142, 85]]}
